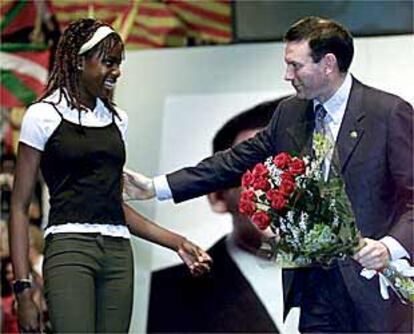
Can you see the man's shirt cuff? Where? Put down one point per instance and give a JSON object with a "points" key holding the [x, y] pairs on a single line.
{"points": [[162, 188], [397, 251]]}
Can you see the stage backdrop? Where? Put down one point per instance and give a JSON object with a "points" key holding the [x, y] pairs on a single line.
{"points": [[177, 98]]}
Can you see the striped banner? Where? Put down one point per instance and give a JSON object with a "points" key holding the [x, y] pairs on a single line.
{"points": [[142, 24], [67, 11], [208, 21], [155, 24], [16, 15], [23, 73]]}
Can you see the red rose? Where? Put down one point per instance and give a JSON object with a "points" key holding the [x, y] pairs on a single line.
{"points": [[260, 170], [247, 195], [277, 200], [247, 179], [261, 183], [278, 203], [287, 186], [297, 166], [282, 160], [247, 207], [272, 193], [287, 176], [261, 220]]}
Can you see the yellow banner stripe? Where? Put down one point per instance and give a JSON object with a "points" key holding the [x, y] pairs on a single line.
{"points": [[212, 6], [71, 3], [192, 18], [205, 36], [155, 21], [138, 31]]}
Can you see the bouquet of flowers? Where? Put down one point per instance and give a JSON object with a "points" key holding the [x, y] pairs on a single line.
{"points": [[311, 218]]}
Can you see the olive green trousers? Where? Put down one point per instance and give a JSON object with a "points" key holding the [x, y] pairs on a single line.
{"points": [[88, 283]]}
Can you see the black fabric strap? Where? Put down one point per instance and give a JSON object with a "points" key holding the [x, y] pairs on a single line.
{"points": [[54, 106]]}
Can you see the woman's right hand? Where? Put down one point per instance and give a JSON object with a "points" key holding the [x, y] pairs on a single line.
{"points": [[196, 259], [28, 313]]}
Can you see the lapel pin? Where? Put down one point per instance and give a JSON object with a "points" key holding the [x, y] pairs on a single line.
{"points": [[353, 134]]}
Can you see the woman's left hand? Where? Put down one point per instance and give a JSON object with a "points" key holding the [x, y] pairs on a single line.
{"points": [[196, 259]]}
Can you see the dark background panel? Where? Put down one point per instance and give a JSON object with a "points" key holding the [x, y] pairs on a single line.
{"points": [[269, 20]]}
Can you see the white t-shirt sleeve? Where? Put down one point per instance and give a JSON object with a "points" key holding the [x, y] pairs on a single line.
{"points": [[39, 122]]}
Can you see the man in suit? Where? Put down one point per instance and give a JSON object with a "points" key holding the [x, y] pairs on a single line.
{"points": [[374, 144], [242, 293]]}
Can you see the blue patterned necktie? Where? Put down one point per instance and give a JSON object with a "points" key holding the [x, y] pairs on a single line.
{"points": [[320, 114], [321, 129]]}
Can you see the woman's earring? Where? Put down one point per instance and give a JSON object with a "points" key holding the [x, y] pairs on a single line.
{"points": [[79, 66]]}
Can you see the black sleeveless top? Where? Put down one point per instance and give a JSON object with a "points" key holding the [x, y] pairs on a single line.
{"points": [[82, 167]]}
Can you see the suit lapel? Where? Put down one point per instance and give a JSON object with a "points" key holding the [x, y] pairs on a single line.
{"points": [[351, 130]]}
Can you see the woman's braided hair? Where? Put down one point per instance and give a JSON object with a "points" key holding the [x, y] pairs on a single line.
{"points": [[65, 73]]}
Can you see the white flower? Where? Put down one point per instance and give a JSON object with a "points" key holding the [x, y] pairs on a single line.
{"points": [[303, 221]]}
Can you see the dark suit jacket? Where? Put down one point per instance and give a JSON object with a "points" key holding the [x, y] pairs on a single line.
{"points": [[223, 301], [377, 167]]}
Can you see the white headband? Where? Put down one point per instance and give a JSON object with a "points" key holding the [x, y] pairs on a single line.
{"points": [[98, 36]]}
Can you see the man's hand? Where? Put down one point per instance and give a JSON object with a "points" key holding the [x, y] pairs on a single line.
{"points": [[28, 313], [373, 255], [137, 186], [196, 259]]}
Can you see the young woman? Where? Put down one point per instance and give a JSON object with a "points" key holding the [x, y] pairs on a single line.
{"points": [[76, 136]]}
